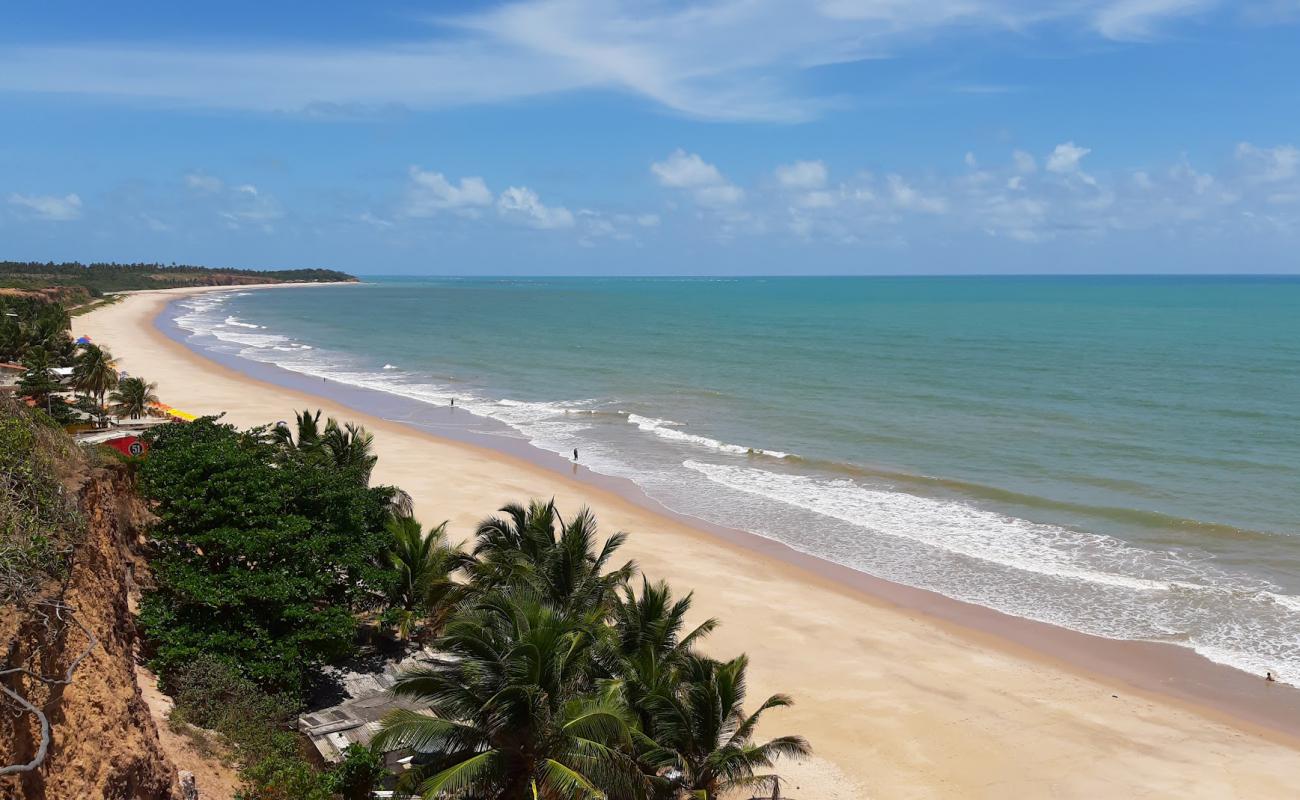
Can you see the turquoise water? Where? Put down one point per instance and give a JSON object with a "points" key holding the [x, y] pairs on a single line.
{"points": [[1120, 456]]}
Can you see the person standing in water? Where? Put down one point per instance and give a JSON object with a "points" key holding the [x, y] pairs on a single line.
{"points": [[453, 402], [575, 454]]}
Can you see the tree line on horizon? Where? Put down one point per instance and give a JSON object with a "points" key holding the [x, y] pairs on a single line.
{"points": [[559, 672], [101, 277]]}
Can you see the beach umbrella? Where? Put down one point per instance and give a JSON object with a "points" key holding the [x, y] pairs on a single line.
{"points": [[83, 340]]}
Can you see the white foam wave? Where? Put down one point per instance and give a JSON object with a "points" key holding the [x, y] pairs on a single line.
{"points": [[389, 366], [236, 322], [956, 527], [667, 429]]}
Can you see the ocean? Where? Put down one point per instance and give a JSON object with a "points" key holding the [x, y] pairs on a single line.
{"points": [[1118, 456]]}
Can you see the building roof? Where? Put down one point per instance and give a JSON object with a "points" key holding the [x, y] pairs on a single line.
{"points": [[356, 719]]}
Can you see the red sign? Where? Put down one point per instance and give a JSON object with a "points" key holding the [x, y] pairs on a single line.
{"points": [[128, 445]]}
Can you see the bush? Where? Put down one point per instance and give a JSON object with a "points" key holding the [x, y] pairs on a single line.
{"points": [[256, 725], [39, 521], [356, 775]]}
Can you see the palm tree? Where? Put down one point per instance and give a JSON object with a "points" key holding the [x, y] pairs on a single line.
{"points": [[132, 397], [704, 738], [308, 431], [350, 447], [513, 711], [424, 563], [346, 446], [565, 567], [647, 651], [93, 373]]}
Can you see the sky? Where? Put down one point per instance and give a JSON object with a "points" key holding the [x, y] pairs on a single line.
{"points": [[609, 137]]}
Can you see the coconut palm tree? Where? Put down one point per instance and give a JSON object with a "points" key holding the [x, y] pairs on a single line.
{"points": [[513, 710], [346, 446], [647, 651], [350, 447], [93, 373], [132, 397], [562, 562], [425, 563], [704, 739], [308, 431]]}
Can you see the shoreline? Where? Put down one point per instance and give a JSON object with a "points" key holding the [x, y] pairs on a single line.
{"points": [[974, 676]]}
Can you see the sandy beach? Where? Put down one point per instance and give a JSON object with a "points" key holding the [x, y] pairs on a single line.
{"points": [[902, 695]]}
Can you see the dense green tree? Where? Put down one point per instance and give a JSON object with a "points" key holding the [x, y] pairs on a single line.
{"points": [[262, 555], [37, 378], [424, 591], [345, 446], [515, 712], [132, 397]]}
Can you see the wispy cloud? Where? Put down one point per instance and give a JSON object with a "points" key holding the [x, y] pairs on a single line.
{"points": [[48, 207], [1139, 20], [723, 60]]}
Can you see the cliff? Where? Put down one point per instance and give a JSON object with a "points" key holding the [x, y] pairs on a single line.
{"points": [[103, 742]]}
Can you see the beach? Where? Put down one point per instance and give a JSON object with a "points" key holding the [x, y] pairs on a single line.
{"points": [[901, 693]]}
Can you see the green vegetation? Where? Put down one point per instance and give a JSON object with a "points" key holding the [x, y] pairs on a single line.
{"points": [[264, 553], [39, 522], [98, 278], [33, 322], [255, 725], [425, 592], [554, 677], [132, 397]]}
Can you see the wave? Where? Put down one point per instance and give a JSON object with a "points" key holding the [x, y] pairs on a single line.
{"points": [[667, 429], [1080, 580], [1085, 581], [234, 321], [956, 527]]}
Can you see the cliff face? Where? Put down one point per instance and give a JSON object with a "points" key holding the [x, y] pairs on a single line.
{"points": [[103, 741]]}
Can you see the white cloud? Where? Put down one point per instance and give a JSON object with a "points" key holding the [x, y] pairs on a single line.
{"points": [[203, 183], [522, 204], [648, 220], [49, 207], [724, 60], [719, 196], [802, 175], [1024, 162], [908, 198], [707, 185], [431, 192], [1065, 158], [682, 170], [1269, 164], [1137, 20]]}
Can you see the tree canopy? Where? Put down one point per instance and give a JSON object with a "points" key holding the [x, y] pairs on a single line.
{"points": [[262, 554]]}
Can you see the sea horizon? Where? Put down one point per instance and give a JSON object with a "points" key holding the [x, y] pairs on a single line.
{"points": [[964, 461]]}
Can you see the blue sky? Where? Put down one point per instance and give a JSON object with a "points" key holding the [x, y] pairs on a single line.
{"points": [[597, 136]]}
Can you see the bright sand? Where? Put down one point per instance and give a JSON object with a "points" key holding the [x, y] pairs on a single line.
{"points": [[897, 699]]}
